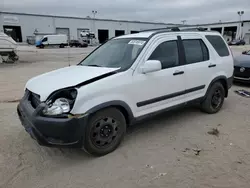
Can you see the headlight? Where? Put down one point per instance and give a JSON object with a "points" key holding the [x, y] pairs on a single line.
{"points": [[60, 106], [60, 102]]}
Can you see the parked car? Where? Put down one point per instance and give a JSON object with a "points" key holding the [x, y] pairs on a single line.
{"points": [[129, 78], [237, 42], [242, 67], [77, 43], [53, 40]]}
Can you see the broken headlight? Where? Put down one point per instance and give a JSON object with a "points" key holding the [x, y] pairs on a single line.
{"points": [[60, 102], [60, 106]]}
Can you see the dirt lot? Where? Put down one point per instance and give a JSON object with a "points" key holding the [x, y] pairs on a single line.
{"points": [[171, 150], [34, 62]]}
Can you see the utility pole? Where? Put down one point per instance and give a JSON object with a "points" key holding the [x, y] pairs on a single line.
{"points": [[240, 13]]}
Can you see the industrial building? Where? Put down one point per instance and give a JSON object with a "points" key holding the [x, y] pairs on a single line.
{"points": [[229, 30], [22, 26]]}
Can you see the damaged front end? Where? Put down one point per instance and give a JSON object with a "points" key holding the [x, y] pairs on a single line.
{"points": [[48, 123]]}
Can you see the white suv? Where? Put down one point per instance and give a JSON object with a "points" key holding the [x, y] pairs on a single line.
{"points": [[125, 80]]}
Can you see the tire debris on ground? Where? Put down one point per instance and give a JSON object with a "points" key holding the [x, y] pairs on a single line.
{"points": [[214, 131]]}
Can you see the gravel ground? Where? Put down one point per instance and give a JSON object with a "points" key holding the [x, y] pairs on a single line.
{"points": [[170, 150]]}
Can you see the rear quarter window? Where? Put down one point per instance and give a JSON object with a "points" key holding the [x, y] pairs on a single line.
{"points": [[218, 44]]}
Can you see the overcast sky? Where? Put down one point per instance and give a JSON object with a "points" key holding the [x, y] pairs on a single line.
{"points": [[168, 11]]}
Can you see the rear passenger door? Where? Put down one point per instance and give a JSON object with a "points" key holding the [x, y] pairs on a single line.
{"points": [[198, 65]]}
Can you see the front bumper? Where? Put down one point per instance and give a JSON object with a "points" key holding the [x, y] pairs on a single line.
{"points": [[241, 79], [51, 131], [241, 76]]}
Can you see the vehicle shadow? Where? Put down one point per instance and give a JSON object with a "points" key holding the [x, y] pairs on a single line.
{"points": [[162, 120], [241, 84], [152, 124]]}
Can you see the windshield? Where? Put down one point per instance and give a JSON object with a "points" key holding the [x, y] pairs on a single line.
{"points": [[116, 53]]}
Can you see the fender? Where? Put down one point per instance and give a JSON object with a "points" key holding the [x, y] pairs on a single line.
{"points": [[225, 81], [124, 107]]}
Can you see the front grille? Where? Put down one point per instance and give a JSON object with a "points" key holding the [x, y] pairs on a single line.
{"points": [[34, 99], [244, 74]]}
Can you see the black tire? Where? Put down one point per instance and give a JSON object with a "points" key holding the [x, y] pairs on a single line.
{"points": [[61, 46], [41, 46], [104, 132], [214, 99]]}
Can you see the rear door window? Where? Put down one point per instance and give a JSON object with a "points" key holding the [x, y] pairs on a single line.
{"points": [[195, 51], [218, 44]]}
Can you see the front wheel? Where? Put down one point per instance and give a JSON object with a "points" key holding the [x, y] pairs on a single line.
{"points": [[214, 99], [104, 132]]}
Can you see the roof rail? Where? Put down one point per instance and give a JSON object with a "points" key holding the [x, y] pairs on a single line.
{"points": [[163, 29], [194, 29], [176, 29]]}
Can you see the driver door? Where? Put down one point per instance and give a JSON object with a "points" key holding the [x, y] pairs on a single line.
{"points": [[161, 89]]}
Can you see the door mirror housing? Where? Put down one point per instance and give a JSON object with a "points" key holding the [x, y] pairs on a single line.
{"points": [[151, 66]]}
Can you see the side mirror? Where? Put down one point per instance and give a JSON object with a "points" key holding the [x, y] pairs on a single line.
{"points": [[244, 52], [151, 66]]}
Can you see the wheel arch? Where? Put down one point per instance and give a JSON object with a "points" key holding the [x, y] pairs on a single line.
{"points": [[223, 80], [120, 105]]}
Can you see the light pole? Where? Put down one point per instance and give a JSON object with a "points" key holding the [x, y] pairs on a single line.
{"points": [[240, 13], [183, 22], [94, 12]]}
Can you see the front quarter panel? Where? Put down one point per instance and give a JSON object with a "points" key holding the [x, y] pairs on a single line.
{"points": [[107, 90]]}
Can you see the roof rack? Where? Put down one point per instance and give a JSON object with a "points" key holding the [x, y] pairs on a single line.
{"points": [[162, 29], [195, 29], [176, 29]]}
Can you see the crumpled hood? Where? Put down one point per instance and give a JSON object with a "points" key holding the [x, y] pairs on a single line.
{"points": [[47, 83], [242, 61]]}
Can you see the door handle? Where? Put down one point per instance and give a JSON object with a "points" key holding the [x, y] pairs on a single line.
{"points": [[178, 73], [211, 65]]}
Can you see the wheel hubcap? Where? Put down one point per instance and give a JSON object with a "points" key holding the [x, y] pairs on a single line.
{"points": [[216, 99], [104, 132]]}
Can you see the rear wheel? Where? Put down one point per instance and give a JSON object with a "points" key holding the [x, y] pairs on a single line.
{"points": [[61, 46], [214, 99], [105, 131]]}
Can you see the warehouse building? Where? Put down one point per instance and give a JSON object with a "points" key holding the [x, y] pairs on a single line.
{"points": [[22, 26], [229, 30]]}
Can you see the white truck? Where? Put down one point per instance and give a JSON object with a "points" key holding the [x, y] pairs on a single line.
{"points": [[52, 40]]}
